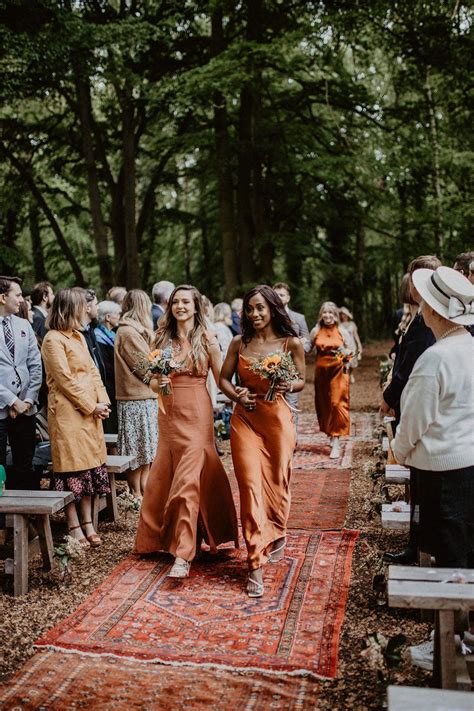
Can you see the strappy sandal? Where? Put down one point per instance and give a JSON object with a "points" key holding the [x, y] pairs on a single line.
{"points": [[83, 541], [179, 569], [278, 553], [254, 588], [93, 539]]}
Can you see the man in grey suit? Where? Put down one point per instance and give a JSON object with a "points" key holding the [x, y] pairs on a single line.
{"points": [[20, 382], [299, 324]]}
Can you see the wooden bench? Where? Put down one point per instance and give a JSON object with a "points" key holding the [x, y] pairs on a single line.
{"points": [[18, 505], [399, 520], [410, 698], [436, 589], [115, 465], [111, 442], [385, 444], [398, 474]]}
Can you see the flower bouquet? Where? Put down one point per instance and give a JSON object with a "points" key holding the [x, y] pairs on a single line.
{"points": [[275, 367], [344, 355], [159, 362]]}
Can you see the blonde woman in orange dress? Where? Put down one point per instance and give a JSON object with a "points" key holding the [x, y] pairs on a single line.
{"points": [[262, 432], [187, 489], [331, 379]]}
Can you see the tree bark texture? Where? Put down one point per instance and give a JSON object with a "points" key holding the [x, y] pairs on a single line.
{"points": [[129, 194], [36, 242], [436, 170]]}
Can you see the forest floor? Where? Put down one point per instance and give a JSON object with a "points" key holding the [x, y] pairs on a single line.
{"points": [[359, 684]]}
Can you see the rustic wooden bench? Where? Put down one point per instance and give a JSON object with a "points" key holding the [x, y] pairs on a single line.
{"points": [[436, 589], [385, 444], [111, 442], [115, 465], [18, 506], [410, 698], [396, 519]]}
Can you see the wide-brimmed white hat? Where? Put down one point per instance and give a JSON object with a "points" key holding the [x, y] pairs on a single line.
{"points": [[448, 292]]}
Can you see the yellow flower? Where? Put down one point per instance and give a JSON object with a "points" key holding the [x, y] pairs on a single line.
{"points": [[270, 363], [153, 355]]}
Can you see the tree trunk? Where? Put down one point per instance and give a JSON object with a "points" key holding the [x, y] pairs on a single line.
{"points": [[244, 188], [118, 231], [436, 170], [359, 290], [36, 243], [129, 197]]}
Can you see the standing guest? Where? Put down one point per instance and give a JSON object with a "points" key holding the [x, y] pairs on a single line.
{"points": [[236, 307], [188, 495], [108, 317], [161, 293], [405, 314], [464, 263], [262, 432], [351, 336], [88, 331], [20, 382], [331, 379], [77, 404], [137, 406], [26, 310], [221, 326], [117, 294], [416, 339], [42, 296]]}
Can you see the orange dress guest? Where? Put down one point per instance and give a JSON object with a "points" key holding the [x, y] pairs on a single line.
{"points": [[331, 381], [262, 432], [187, 489]]}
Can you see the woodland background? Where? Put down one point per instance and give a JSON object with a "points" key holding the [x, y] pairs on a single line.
{"points": [[226, 142]]}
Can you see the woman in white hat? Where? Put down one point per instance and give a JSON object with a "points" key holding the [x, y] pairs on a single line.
{"points": [[435, 434]]}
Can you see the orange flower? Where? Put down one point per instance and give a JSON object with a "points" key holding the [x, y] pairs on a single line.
{"points": [[271, 363], [153, 355]]}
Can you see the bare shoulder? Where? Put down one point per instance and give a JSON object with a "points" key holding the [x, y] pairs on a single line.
{"points": [[294, 344]]}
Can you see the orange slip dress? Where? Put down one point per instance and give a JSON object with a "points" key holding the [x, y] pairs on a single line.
{"points": [[187, 484], [262, 442], [331, 384]]}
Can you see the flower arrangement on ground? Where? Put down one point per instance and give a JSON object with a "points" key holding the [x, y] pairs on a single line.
{"points": [[275, 367]]}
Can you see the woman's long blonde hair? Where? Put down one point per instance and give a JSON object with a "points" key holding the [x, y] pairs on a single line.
{"points": [[199, 339], [137, 307], [329, 306]]}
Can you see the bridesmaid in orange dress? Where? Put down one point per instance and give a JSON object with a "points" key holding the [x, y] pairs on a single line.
{"points": [[262, 432], [331, 381], [187, 488]]}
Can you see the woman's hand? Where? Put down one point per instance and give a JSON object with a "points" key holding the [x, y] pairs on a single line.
{"points": [[245, 398], [102, 411], [283, 386], [162, 380]]}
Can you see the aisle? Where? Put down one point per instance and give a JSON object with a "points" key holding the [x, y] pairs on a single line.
{"points": [[144, 641]]}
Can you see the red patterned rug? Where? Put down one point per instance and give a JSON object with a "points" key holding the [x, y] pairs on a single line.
{"points": [[363, 425], [319, 499], [58, 680], [208, 619], [316, 456]]}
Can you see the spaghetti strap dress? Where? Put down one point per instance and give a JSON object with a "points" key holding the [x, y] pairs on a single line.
{"points": [[262, 441], [187, 488], [331, 384]]}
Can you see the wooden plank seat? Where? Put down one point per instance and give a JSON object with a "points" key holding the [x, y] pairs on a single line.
{"points": [[396, 515], [385, 444], [441, 590], [111, 442], [115, 465], [411, 698], [18, 506], [397, 474]]}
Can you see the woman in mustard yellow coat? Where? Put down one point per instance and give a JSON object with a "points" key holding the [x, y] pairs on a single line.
{"points": [[77, 402]]}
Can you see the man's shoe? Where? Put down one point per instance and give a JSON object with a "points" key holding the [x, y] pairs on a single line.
{"points": [[406, 557], [422, 655]]}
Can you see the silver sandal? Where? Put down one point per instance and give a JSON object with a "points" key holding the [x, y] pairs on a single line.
{"points": [[254, 588], [278, 553], [179, 569]]}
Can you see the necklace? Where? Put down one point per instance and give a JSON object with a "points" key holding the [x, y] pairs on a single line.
{"points": [[449, 331]]}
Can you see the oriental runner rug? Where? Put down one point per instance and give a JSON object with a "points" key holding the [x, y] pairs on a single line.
{"points": [[316, 456], [363, 425], [208, 620], [58, 680], [319, 499]]}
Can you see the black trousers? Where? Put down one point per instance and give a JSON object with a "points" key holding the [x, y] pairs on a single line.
{"points": [[19, 432]]}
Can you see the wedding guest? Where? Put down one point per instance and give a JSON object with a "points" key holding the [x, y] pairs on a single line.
{"points": [[26, 310], [77, 404], [262, 432], [108, 317], [42, 296], [405, 314], [221, 326], [117, 294], [464, 263], [351, 336], [188, 495], [416, 339], [137, 407], [331, 377], [90, 318], [236, 307], [161, 293]]}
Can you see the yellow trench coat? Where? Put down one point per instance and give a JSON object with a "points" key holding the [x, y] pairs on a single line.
{"points": [[74, 389]]}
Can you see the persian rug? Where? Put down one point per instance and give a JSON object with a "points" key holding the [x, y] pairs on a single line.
{"points": [[316, 456], [207, 619], [319, 499], [58, 680], [363, 425]]}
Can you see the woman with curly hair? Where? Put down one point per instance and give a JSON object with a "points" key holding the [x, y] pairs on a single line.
{"points": [[262, 432], [188, 495]]}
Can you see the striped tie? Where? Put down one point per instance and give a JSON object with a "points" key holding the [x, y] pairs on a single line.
{"points": [[9, 340]]}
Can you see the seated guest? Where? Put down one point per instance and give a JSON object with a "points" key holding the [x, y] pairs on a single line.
{"points": [[161, 293], [42, 297], [77, 404], [108, 317]]}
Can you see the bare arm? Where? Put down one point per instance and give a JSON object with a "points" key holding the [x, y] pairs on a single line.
{"points": [[228, 369], [296, 349]]}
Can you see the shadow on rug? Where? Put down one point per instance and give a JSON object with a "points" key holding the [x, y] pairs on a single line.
{"points": [[319, 499], [59, 680], [207, 619]]}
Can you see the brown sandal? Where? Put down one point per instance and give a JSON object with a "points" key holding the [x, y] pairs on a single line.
{"points": [[94, 540], [83, 541]]}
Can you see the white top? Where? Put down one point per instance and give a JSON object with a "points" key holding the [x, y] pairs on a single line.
{"points": [[436, 430]]}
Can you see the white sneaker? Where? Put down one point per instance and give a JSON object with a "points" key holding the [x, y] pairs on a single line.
{"points": [[336, 449], [422, 655]]}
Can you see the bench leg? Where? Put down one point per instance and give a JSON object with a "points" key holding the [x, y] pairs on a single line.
{"points": [[112, 508], [20, 555], [46, 541], [95, 511], [444, 664]]}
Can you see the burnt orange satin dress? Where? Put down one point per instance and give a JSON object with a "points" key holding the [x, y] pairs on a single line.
{"points": [[262, 441], [187, 484], [331, 384]]}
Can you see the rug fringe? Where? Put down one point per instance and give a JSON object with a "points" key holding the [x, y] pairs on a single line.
{"points": [[195, 665]]}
